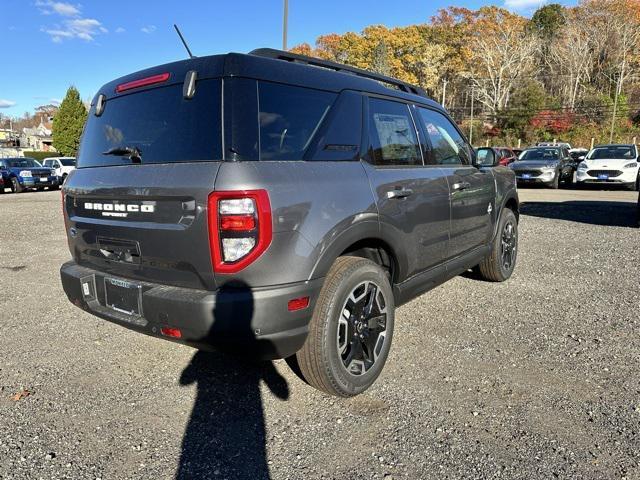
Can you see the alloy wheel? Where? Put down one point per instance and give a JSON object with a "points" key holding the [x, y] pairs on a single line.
{"points": [[362, 328], [509, 245]]}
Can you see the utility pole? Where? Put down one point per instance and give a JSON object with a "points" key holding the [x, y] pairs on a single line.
{"points": [[285, 22], [615, 108], [444, 91], [471, 123], [618, 91]]}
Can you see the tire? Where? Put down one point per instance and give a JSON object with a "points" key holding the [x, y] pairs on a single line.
{"points": [[15, 185], [494, 268], [339, 355], [555, 183]]}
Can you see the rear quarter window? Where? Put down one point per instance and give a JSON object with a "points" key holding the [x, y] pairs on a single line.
{"points": [[289, 118], [160, 123]]}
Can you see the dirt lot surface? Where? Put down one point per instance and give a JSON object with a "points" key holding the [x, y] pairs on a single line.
{"points": [[534, 378]]}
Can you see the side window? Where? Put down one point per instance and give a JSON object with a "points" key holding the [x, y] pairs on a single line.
{"points": [[447, 145], [392, 134], [340, 135], [289, 118]]}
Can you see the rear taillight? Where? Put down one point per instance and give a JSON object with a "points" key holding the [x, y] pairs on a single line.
{"points": [[239, 228], [63, 204]]}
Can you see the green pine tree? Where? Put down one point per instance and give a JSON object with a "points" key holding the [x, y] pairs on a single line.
{"points": [[68, 123]]}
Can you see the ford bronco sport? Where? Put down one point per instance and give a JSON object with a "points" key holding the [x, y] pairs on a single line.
{"points": [[278, 206]]}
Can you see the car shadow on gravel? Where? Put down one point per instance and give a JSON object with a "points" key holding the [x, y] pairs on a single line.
{"points": [[614, 214], [225, 436]]}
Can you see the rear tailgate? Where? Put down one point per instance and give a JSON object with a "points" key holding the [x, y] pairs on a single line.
{"points": [[148, 159], [145, 222]]}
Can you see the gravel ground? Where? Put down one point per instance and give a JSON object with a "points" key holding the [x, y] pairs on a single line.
{"points": [[534, 378]]}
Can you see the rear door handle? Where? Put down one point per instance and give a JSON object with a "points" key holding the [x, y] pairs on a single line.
{"points": [[460, 186], [399, 193]]}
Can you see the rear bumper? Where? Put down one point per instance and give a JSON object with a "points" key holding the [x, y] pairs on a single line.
{"points": [[254, 322]]}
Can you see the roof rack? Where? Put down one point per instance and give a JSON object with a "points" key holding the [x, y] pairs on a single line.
{"points": [[317, 62]]}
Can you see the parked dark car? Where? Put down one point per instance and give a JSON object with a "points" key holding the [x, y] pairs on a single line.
{"points": [[550, 166], [296, 219], [1, 184], [22, 173], [578, 154], [517, 151]]}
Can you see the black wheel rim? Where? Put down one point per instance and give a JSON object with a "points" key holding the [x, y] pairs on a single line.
{"points": [[509, 242], [362, 328]]}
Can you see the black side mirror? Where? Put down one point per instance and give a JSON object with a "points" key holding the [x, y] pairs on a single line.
{"points": [[485, 157]]}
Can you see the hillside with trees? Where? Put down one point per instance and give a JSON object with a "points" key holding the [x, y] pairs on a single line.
{"points": [[569, 73]]}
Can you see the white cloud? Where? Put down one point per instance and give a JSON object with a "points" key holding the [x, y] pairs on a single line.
{"points": [[73, 26], [523, 5], [6, 103], [148, 29], [55, 101], [120, 30], [82, 28], [49, 7]]}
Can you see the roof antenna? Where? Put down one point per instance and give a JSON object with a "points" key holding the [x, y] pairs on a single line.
{"points": [[183, 41]]}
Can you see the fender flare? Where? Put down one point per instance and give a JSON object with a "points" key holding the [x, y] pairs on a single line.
{"points": [[511, 195], [368, 229]]}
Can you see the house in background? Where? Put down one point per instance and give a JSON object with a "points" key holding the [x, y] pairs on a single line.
{"points": [[38, 138]]}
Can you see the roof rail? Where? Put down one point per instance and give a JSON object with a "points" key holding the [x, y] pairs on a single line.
{"points": [[318, 62]]}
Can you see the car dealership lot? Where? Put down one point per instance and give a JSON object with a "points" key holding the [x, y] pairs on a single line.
{"points": [[533, 378]]}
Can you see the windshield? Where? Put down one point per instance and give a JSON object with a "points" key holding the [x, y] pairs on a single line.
{"points": [[68, 162], [159, 124], [23, 163], [625, 152], [540, 154]]}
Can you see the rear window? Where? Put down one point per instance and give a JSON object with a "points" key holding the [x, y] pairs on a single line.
{"points": [[160, 123]]}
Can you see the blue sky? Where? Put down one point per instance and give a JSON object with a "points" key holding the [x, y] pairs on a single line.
{"points": [[50, 44]]}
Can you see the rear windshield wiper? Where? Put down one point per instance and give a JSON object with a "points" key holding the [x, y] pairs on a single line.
{"points": [[132, 153]]}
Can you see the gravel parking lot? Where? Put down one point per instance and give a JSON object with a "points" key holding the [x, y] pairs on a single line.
{"points": [[534, 378]]}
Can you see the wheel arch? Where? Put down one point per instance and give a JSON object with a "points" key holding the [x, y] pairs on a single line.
{"points": [[363, 240]]}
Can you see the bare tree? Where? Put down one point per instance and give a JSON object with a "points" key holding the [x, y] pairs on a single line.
{"points": [[500, 58]]}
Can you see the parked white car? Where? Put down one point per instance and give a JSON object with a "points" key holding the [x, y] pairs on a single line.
{"points": [[62, 166], [610, 164]]}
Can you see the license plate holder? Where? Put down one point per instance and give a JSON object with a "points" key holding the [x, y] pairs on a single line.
{"points": [[123, 296]]}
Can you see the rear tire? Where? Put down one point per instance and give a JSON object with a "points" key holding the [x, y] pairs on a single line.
{"points": [[15, 186], [351, 329], [500, 263]]}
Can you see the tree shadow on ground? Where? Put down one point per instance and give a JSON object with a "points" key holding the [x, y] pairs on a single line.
{"points": [[225, 436], [606, 213]]}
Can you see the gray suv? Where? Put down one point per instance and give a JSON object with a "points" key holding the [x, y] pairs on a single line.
{"points": [[277, 206]]}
